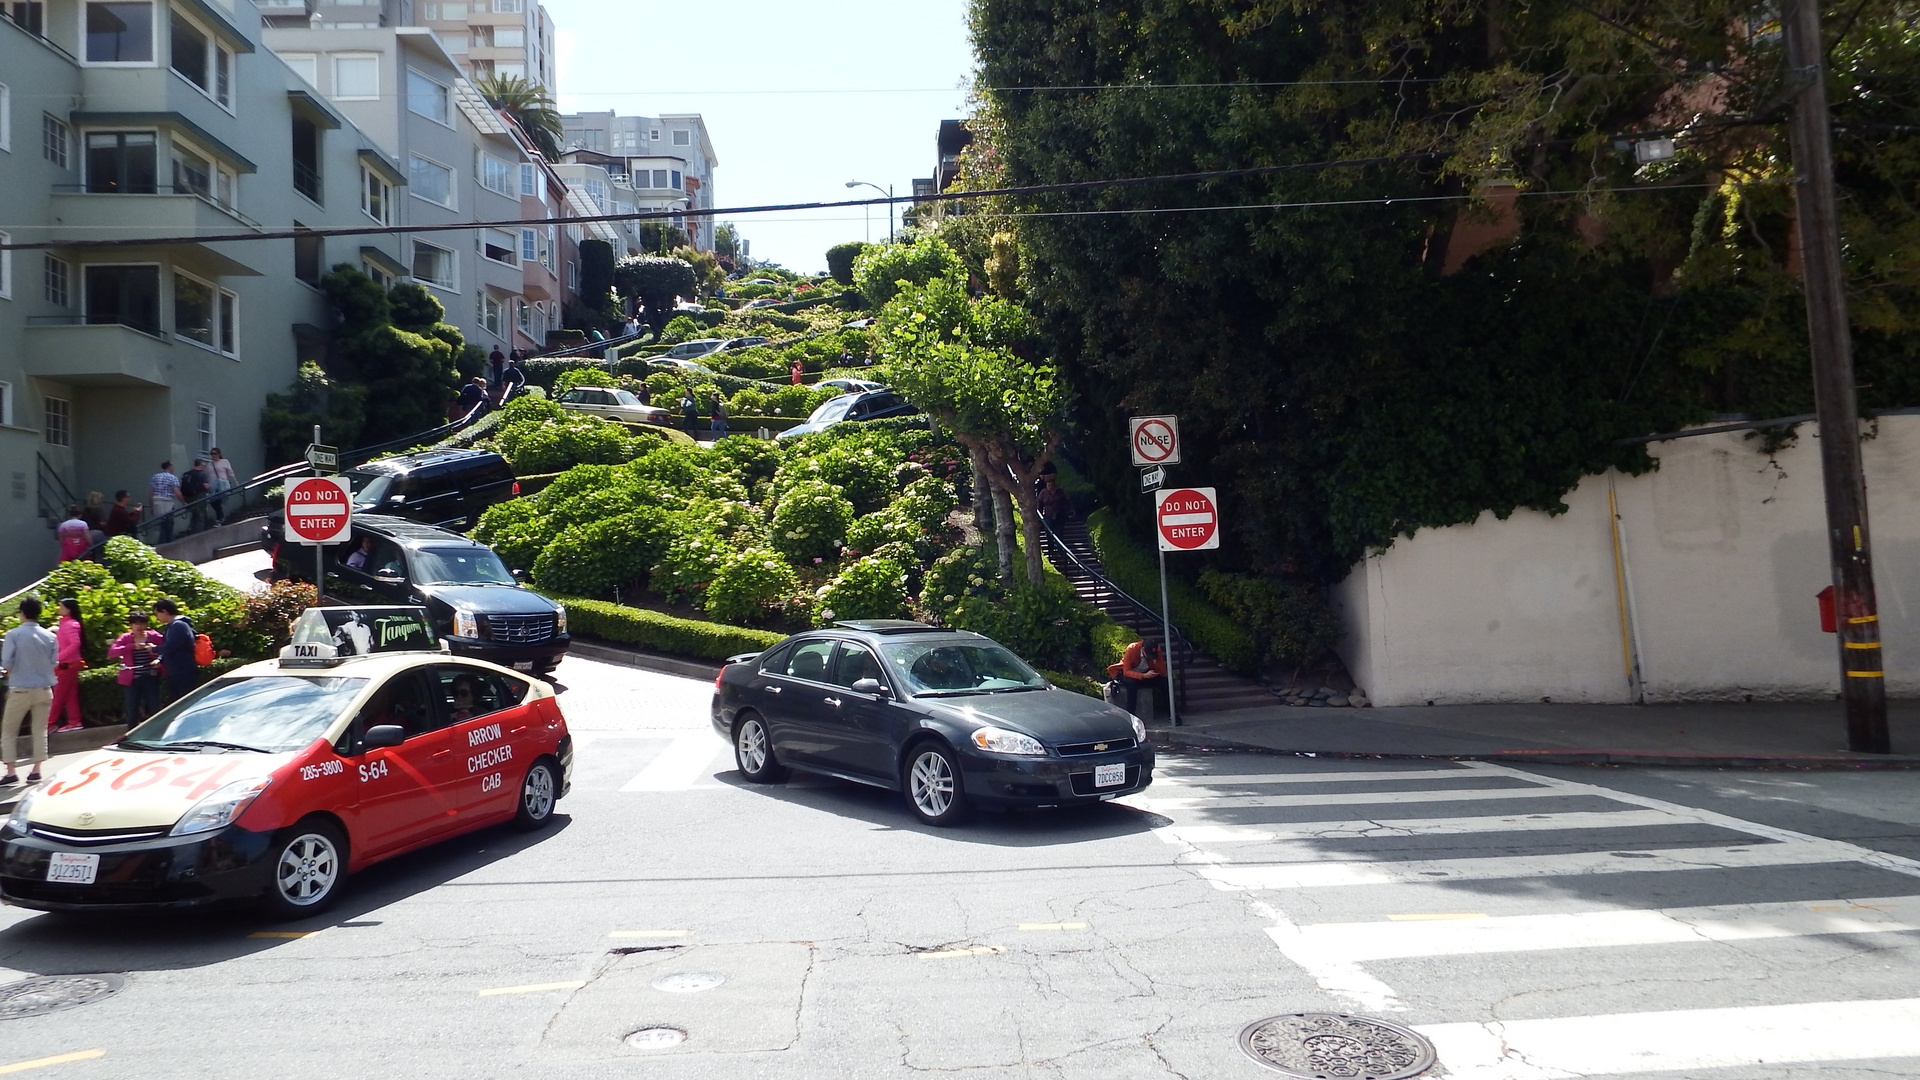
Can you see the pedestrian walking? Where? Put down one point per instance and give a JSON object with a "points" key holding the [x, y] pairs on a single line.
{"points": [[94, 513], [163, 494], [138, 651], [496, 362], [121, 518], [223, 481], [179, 671], [690, 407], [512, 378], [27, 658], [67, 666], [471, 395], [797, 372], [72, 535], [719, 417], [195, 484]]}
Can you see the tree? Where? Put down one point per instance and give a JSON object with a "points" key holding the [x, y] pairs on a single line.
{"points": [[596, 309], [726, 241], [840, 259], [880, 269], [706, 267], [530, 107], [287, 420], [658, 283], [395, 347]]}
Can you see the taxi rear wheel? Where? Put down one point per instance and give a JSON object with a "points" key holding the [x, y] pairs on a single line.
{"points": [[538, 792], [308, 865]]}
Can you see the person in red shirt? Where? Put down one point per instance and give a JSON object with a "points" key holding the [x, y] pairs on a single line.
{"points": [[1143, 666], [73, 535], [121, 518], [797, 372], [67, 665]]}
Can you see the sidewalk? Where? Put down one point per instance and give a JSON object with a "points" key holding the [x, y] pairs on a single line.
{"points": [[1720, 735]]}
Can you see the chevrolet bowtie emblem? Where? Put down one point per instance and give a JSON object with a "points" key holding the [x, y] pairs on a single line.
{"points": [[1099, 746]]}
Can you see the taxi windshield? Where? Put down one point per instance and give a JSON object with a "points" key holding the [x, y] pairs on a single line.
{"points": [[951, 669], [275, 714], [459, 566]]}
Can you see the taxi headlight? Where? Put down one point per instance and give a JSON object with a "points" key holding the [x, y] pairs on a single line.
{"points": [[464, 624], [219, 809], [17, 823], [1001, 741], [1139, 729], [559, 618]]}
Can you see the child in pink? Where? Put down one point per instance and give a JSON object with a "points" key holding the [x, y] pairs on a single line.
{"points": [[65, 715]]}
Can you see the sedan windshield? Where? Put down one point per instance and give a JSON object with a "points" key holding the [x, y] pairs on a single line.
{"points": [[951, 669], [459, 566], [273, 713]]}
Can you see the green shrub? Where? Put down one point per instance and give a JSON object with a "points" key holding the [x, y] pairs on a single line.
{"points": [[679, 329], [1212, 630], [1292, 618], [130, 560], [584, 376], [869, 588], [811, 521], [1045, 624], [751, 460], [596, 557], [880, 268], [749, 585], [748, 402], [554, 445], [1079, 684], [1108, 641], [515, 530], [840, 260], [792, 400], [653, 630], [271, 611]]}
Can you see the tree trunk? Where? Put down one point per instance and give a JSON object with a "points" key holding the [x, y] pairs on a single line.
{"points": [[1003, 530], [1030, 532], [982, 489]]}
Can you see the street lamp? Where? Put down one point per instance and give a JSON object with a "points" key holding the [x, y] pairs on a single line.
{"points": [[888, 192]]}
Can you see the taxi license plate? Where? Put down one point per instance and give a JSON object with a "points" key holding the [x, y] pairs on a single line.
{"points": [[71, 869], [1110, 775], [523, 665]]}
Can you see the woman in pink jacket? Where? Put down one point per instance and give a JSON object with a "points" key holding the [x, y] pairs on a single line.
{"points": [[65, 715], [138, 650]]}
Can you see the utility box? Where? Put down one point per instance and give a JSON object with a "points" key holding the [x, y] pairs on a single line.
{"points": [[1828, 624]]}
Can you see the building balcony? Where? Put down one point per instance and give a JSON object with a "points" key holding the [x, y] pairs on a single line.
{"points": [[72, 351], [84, 215]]}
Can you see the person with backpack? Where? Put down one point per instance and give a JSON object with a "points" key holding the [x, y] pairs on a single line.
{"points": [[179, 651], [195, 484], [690, 407]]}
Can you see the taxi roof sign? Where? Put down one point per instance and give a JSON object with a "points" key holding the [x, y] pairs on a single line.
{"points": [[326, 636]]}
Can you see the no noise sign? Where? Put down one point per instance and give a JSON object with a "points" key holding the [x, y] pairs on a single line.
{"points": [[319, 510], [1155, 439], [1188, 519]]}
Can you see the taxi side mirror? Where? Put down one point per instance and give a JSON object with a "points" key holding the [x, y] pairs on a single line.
{"points": [[383, 735], [868, 686]]}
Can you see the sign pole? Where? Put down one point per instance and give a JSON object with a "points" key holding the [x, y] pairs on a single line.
{"points": [[1166, 640]]}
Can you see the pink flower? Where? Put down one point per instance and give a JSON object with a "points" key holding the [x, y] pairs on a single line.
{"points": [[816, 560]]}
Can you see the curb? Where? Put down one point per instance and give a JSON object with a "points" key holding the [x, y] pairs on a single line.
{"points": [[665, 665], [1169, 739]]}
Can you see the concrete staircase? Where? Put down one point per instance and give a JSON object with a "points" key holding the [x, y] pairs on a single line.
{"points": [[1203, 685]]}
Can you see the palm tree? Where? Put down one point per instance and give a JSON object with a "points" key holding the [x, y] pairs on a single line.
{"points": [[529, 106]]}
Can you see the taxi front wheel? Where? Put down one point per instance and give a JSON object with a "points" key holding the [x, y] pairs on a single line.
{"points": [[309, 865], [538, 792]]}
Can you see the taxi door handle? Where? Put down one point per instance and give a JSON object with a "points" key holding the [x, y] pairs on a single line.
{"points": [[833, 701]]}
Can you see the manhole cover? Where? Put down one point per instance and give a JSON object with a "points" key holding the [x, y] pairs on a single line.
{"points": [[51, 993], [656, 1038], [688, 982], [1335, 1046]]}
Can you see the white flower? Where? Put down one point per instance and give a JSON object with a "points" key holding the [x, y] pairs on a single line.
{"points": [[948, 598], [827, 614]]}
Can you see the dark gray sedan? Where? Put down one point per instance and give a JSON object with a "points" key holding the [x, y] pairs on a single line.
{"points": [[950, 719]]}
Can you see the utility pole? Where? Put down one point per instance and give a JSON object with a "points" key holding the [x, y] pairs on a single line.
{"points": [[1862, 671]]}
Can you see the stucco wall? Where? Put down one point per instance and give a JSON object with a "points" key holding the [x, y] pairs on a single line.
{"points": [[1723, 553]]}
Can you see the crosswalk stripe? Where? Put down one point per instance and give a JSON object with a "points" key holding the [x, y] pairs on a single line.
{"points": [[1303, 875], [1161, 779], [1679, 1041], [1351, 798], [1397, 827], [1597, 929], [680, 766]]}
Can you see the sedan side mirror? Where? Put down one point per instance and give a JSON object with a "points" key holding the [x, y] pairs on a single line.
{"points": [[868, 686], [381, 736]]}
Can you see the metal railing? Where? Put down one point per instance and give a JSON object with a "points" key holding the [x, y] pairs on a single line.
{"points": [[54, 495], [1182, 648], [306, 180]]}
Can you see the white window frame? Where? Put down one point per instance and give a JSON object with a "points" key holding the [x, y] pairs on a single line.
{"points": [[496, 174], [153, 42], [377, 274], [334, 72], [303, 64], [682, 137], [224, 301], [52, 409], [452, 284], [487, 235], [510, 69], [58, 284], [457, 44], [509, 30], [510, 7], [6, 404], [523, 317], [529, 245], [369, 180], [51, 125], [529, 182], [490, 315], [223, 181], [453, 182], [213, 52], [6, 268], [205, 425], [445, 118], [6, 119]]}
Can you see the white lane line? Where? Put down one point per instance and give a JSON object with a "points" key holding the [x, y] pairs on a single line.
{"points": [[531, 988], [1395, 827], [685, 762], [1230, 779], [1679, 1041], [1607, 929], [1305, 875], [1351, 798]]}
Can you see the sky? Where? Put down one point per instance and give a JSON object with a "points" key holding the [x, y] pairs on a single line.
{"points": [[799, 98]]}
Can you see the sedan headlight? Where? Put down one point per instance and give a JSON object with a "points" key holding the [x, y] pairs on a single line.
{"points": [[1001, 741], [17, 823], [1139, 729], [559, 618], [219, 809], [465, 624]]}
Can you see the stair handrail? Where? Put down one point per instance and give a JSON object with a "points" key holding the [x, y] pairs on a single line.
{"points": [[1183, 649]]}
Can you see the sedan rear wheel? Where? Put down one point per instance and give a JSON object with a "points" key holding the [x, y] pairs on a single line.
{"points": [[753, 751], [932, 783]]}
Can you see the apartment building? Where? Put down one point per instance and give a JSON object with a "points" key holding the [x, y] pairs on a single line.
{"points": [[486, 37], [665, 161], [153, 120]]}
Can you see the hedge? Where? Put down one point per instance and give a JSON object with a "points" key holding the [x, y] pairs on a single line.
{"points": [[1079, 684], [1109, 641], [1211, 630], [667, 633]]}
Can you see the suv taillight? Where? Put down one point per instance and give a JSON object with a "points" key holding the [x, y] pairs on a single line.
{"points": [[516, 488]]}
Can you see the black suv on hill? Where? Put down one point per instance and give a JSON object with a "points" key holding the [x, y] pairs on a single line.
{"points": [[439, 487], [476, 604]]}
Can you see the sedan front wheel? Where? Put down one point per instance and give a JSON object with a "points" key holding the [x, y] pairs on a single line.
{"points": [[932, 784]]}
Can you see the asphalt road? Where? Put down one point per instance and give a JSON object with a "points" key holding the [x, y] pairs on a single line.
{"points": [[1537, 924]]}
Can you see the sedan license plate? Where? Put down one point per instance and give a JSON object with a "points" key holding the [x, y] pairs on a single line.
{"points": [[1110, 775], [72, 869], [523, 665]]}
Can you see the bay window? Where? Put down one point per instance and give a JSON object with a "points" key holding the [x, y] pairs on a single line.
{"points": [[431, 181], [118, 31], [204, 314], [127, 295], [122, 162], [432, 264], [201, 60]]}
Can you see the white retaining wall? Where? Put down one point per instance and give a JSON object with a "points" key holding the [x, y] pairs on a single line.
{"points": [[1723, 552]]}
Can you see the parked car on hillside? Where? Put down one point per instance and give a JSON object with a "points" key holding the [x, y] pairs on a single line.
{"points": [[609, 403], [852, 386], [693, 350], [743, 343], [867, 405]]}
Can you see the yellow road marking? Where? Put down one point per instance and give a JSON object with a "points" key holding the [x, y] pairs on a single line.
{"points": [[283, 933], [948, 954], [1053, 926], [1437, 917], [531, 988], [57, 1059], [651, 933]]}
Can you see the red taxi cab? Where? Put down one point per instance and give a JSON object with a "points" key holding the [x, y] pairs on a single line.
{"points": [[363, 741]]}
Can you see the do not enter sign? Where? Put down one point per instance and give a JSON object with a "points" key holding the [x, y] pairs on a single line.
{"points": [[319, 510], [1189, 519]]}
